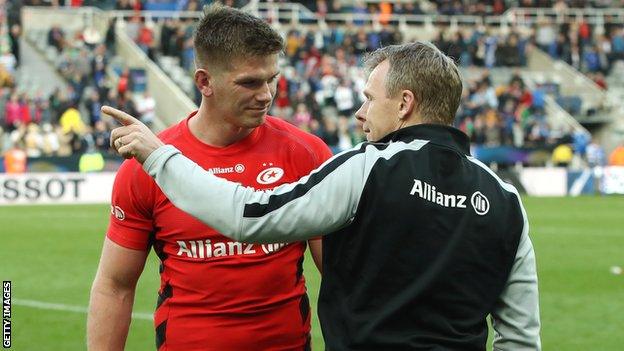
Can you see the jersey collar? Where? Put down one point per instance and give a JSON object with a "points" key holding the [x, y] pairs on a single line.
{"points": [[436, 133]]}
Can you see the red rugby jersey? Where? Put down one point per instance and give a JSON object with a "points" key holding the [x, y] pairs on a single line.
{"points": [[217, 294]]}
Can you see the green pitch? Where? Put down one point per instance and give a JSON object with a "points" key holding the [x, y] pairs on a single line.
{"points": [[50, 254]]}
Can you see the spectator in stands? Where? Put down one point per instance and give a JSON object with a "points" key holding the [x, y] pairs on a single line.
{"points": [[146, 108], [617, 45], [562, 155], [126, 102], [71, 121], [616, 157], [492, 131], [344, 98], [33, 141], [101, 137], [56, 38], [591, 59], [5, 95], [6, 77], [65, 141], [43, 112], [110, 36], [580, 140], [167, 32], [14, 36], [345, 138], [145, 39], [484, 96], [25, 109], [12, 115], [330, 133], [58, 104], [537, 132], [93, 106], [124, 84], [50, 142], [133, 25], [545, 34], [302, 117], [99, 63], [15, 160], [510, 52], [595, 154]]}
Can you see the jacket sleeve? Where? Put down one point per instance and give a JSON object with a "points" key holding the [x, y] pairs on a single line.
{"points": [[516, 318], [290, 212]]}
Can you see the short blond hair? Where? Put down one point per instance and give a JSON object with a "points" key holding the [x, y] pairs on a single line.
{"points": [[427, 72]]}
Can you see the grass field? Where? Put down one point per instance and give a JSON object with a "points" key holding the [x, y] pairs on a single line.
{"points": [[50, 254]]}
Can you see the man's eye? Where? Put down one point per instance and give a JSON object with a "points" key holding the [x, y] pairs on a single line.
{"points": [[249, 83]]}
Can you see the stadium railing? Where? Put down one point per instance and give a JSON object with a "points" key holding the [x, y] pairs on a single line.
{"points": [[527, 16]]}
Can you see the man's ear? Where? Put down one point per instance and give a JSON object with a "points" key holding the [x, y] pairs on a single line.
{"points": [[407, 104], [204, 81]]}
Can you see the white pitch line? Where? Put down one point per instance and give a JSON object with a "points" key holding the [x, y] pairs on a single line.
{"points": [[69, 308]]}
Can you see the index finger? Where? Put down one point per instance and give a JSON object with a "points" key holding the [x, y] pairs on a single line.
{"points": [[120, 116]]}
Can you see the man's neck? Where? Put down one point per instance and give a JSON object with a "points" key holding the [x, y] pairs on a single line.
{"points": [[214, 131]]}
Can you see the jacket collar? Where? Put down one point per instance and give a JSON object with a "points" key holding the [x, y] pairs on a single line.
{"points": [[435, 133]]}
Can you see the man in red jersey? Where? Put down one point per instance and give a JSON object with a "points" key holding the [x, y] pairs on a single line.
{"points": [[215, 293]]}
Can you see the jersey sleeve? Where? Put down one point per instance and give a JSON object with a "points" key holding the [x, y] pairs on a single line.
{"points": [[290, 212], [131, 221], [321, 153], [516, 320]]}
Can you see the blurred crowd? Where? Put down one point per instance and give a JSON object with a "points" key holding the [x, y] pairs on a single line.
{"points": [[69, 121], [322, 77], [322, 80], [590, 49]]}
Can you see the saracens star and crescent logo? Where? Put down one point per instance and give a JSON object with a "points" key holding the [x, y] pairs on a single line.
{"points": [[118, 212], [270, 175]]}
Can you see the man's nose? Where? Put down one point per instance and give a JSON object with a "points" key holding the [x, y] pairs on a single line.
{"points": [[265, 94], [360, 115]]}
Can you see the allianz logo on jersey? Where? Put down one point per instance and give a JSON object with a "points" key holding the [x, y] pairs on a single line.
{"points": [[269, 175], [424, 190], [238, 168], [207, 249]]}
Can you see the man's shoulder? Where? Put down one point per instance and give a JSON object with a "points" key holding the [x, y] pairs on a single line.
{"points": [[132, 171], [172, 134], [282, 130]]}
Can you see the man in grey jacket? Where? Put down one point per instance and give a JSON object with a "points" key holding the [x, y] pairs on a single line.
{"points": [[423, 241]]}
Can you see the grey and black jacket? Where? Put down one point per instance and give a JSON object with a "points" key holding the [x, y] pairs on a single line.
{"points": [[422, 241]]}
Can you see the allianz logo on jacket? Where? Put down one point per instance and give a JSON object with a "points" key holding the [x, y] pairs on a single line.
{"points": [[424, 190]]}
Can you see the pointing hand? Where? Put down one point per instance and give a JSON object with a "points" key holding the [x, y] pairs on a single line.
{"points": [[133, 138]]}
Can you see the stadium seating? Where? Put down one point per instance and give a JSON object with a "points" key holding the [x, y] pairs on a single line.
{"points": [[323, 52]]}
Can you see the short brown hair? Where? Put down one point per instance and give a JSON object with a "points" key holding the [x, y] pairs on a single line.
{"points": [[425, 71], [225, 34]]}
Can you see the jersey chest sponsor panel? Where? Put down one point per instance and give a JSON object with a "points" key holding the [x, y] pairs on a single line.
{"points": [[264, 273]]}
